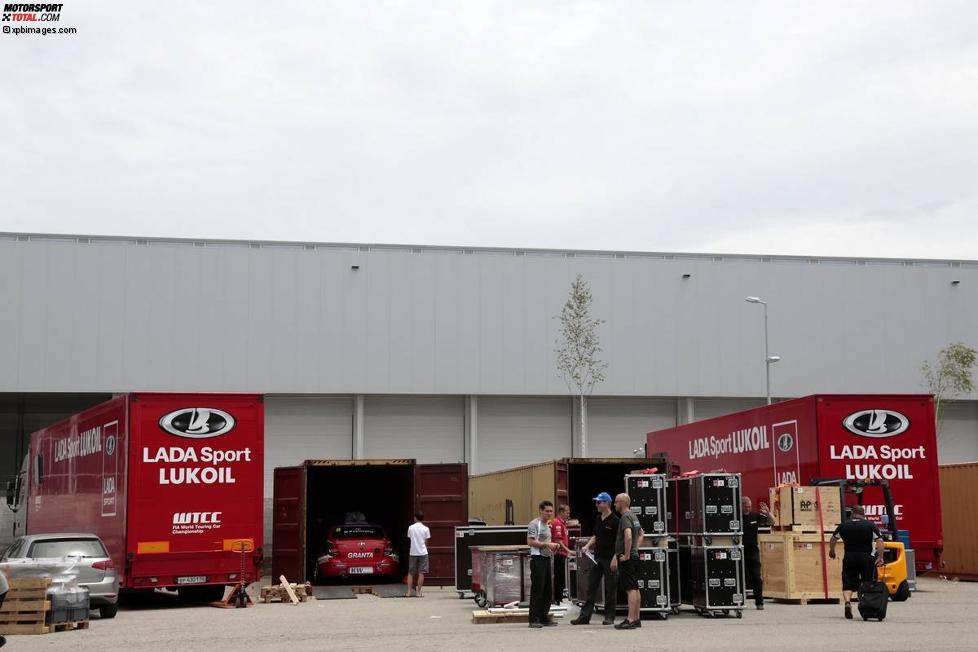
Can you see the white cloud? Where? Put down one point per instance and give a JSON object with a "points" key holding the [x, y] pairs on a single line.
{"points": [[696, 126]]}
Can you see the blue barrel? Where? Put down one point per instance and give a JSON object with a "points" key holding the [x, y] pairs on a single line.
{"points": [[904, 537]]}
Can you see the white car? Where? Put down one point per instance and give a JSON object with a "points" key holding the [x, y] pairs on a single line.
{"points": [[96, 571]]}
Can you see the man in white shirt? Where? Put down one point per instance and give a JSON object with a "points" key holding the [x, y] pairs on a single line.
{"points": [[418, 560]]}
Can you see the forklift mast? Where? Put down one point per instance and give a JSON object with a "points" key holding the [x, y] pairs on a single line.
{"points": [[855, 487]]}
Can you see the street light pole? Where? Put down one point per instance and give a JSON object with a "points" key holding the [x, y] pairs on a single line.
{"points": [[768, 358]]}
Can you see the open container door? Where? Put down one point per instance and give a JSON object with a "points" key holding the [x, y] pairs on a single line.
{"points": [[289, 524], [442, 493], [561, 481]]}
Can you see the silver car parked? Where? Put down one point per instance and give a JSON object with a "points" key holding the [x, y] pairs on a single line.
{"points": [[94, 566]]}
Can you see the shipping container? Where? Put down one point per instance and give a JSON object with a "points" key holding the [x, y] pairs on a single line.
{"points": [[171, 483], [512, 496], [855, 437], [318, 495], [959, 491]]}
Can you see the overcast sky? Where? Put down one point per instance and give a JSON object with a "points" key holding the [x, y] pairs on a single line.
{"points": [[846, 128]]}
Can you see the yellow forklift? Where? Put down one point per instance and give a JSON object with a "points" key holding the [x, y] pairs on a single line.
{"points": [[894, 572]]}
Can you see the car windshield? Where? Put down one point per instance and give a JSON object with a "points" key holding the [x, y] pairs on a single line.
{"points": [[68, 548], [358, 532]]}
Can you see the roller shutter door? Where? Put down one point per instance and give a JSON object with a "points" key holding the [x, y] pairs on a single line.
{"points": [[299, 428], [617, 426], [519, 431], [958, 440], [430, 430]]}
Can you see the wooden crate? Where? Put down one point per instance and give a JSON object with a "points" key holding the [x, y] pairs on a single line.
{"points": [[797, 508], [25, 608], [792, 567]]}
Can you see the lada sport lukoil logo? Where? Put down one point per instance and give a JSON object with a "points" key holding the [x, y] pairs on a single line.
{"points": [[876, 423], [785, 442], [197, 423]]}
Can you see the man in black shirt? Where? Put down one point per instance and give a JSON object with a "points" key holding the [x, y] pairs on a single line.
{"points": [[752, 552], [858, 565], [602, 542]]}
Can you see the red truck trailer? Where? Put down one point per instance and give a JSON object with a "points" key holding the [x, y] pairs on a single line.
{"points": [[171, 483], [859, 437]]}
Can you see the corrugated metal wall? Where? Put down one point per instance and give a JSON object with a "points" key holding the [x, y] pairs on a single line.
{"points": [[959, 496], [104, 314]]}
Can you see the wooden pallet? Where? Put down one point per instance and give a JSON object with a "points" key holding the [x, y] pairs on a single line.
{"points": [[279, 593], [26, 607], [69, 626], [821, 599], [485, 617]]}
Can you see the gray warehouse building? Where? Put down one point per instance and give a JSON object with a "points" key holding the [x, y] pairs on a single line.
{"points": [[446, 354]]}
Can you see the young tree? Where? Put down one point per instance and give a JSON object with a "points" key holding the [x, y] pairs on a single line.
{"points": [[578, 348], [949, 377]]}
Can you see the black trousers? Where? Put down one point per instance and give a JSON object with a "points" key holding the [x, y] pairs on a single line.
{"points": [[601, 570], [560, 577], [753, 567], [541, 589]]}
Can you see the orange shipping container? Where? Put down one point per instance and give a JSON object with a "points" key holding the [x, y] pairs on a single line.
{"points": [[959, 495]]}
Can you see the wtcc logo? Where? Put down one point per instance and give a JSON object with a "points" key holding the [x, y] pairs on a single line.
{"points": [[30, 13], [192, 518], [195, 522]]}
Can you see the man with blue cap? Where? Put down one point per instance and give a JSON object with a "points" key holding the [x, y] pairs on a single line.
{"points": [[602, 543]]}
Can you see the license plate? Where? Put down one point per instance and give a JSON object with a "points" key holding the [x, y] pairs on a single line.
{"points": [[192, 579], [362, 570]]}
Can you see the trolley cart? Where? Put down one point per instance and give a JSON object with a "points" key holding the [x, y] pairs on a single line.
{"points": [[467, 536], [504, 575]]}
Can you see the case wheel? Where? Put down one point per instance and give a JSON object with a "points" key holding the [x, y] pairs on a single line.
{"points": [[481, 600]]}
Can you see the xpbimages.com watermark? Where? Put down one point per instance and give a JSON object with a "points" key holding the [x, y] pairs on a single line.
{"points": [[26, 17]]}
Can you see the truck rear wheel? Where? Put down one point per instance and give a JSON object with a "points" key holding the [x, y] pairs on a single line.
{"points": [[201, 593]]}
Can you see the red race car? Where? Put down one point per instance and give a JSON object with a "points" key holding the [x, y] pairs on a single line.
{"points": [[357, 549]]}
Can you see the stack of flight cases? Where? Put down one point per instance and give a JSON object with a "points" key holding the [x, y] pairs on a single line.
{"points": [[706, 517], [648, 494]]}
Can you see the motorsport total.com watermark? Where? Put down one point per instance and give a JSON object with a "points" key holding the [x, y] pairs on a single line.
{"points": [[27, 16]]}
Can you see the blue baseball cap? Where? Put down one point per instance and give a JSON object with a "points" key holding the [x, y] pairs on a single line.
{"points": [[603, 497]]}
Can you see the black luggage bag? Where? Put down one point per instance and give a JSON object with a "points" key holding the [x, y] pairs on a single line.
{"points": [[873, 599]]}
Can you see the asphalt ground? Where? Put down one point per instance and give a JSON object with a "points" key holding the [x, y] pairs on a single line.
{"points": [[940, 616]]}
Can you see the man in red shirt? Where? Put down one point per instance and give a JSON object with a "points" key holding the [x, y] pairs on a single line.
{"points": [[558, 534]]}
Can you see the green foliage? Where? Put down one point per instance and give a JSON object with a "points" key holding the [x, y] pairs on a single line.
{"points": [[578, 348], [578, 345], [950, 376]]}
